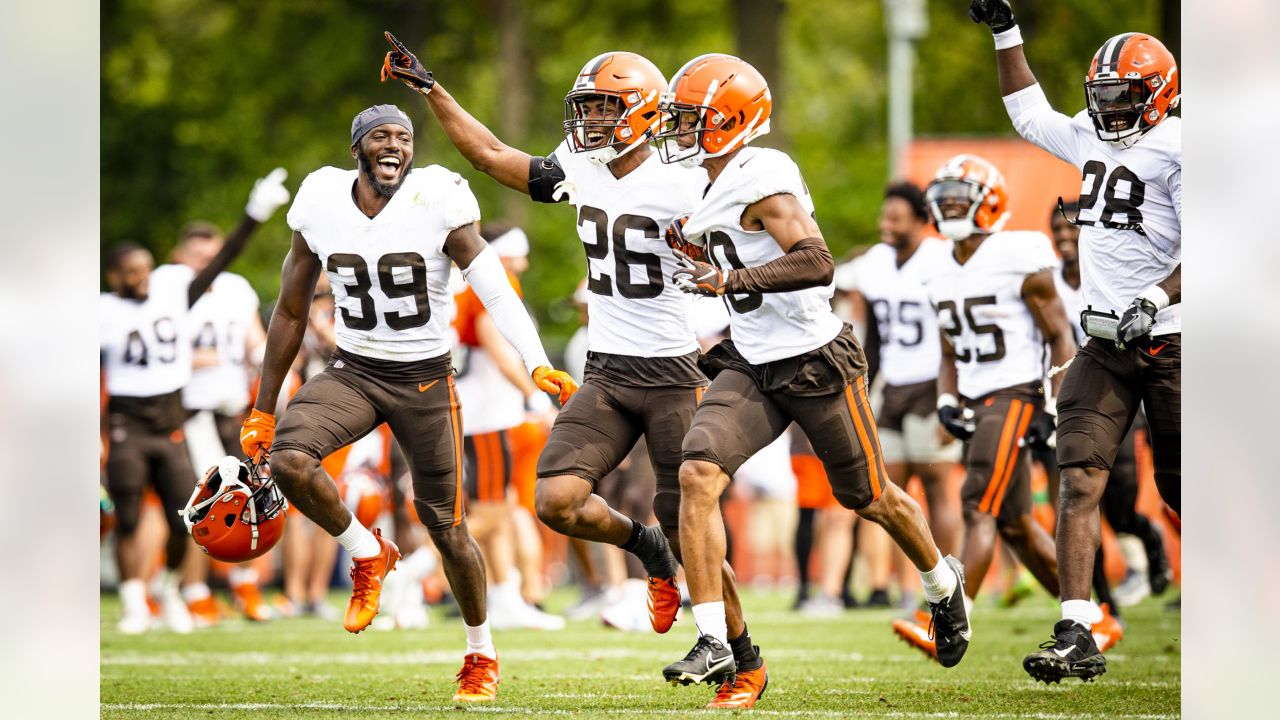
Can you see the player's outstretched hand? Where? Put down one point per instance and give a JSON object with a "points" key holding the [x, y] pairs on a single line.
{"points": [[996, 14], [555, 382], [268, 195], [677, 241], [957, 421], [697, 276], [405, 67], [1136, 321]]}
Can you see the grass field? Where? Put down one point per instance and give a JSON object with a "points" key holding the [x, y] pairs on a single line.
{"points": [[852, 666]]}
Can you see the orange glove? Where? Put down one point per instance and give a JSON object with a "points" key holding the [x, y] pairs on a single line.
{"points": [[256, 435], [550, 380]]}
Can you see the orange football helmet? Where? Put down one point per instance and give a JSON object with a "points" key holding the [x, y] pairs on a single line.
{"points": [[1131, 87], [715, 105], [235, 513], [630, 86], [976, 182], [363, 494]]}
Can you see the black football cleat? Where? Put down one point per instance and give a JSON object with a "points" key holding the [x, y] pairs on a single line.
{"points": [[1071, 653], [708, 662], [950, 622]]}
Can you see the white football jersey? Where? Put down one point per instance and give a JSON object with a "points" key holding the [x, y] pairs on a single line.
{"points": [[764, 326], [220, 320], [1073, 302], [146, 346], [389, 273], [1140, 186], [909, 345], [980, 307], [635, 308]]}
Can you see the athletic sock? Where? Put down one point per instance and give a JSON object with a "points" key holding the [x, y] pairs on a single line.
{"points": [[939, 582], [195, 592], [1081, 612], [358, 540], [650, 546], [241, 575], [743, 651], [480, 640], [133, 595], [710, 620]]}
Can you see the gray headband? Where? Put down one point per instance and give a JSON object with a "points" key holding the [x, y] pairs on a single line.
{"points": [[370, 118]]}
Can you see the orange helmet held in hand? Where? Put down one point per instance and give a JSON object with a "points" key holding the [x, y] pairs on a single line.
{"points": [[235, 513], [975, 182], [629, 86], [716, 104], [1131, 87]]}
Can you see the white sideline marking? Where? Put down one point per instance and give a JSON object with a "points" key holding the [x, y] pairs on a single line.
{"points": [[498, 710]]}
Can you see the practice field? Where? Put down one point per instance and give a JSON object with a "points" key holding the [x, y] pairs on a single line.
{"points": [[851, 666]]}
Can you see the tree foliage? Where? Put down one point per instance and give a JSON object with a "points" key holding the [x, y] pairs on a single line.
{"points": [[199, 98]]}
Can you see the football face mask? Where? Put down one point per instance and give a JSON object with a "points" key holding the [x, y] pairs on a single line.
{"points": [[235, 513]]}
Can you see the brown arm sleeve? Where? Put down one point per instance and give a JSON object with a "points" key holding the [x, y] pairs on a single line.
{"points": [[807, 264]]}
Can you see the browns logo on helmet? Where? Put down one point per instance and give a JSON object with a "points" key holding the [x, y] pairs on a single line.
{"points": [[1132, 86]]}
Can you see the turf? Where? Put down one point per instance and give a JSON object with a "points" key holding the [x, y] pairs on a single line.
{"points": [[851, 666]]}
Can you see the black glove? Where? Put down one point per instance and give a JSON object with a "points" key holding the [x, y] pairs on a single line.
{"points": [[404, 66], [697, 277], [1136, 321], [1042, 433], [995, 13], [958, 421], [677, 241]]}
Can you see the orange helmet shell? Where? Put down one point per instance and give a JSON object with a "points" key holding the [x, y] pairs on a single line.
{"points": [[234, 514], [1142, 68], [635, 82], [732, 102], [981, 183]]}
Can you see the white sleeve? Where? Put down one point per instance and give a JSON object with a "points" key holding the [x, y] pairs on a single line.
{"points": [[847, 275], [462, 208], [1175, 192], [489, 280], [1038, 253], [1037, 122]]}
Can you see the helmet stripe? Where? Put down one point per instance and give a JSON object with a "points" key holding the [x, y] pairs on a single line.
{"points": [[587, 78], [1109, 56]]}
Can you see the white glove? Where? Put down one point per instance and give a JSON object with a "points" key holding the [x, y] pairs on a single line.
{"points": [[268, 195]]}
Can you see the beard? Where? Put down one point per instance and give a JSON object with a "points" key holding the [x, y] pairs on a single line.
{"points": [[381, 188]]}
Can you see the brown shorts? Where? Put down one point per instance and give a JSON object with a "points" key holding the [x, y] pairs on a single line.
{"points": [[997, 468], [1101, 394], [354, 395], [601, 423], [144, 452], [488, 463], [919, 399], [823, 391]]}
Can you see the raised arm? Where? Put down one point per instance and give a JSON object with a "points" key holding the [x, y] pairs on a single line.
{"points": [[476, 142], [268, 194]]}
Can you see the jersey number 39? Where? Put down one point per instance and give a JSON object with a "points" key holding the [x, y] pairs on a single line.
{"points": [[361, 284]]}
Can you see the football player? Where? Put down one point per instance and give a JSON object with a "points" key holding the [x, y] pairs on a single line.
{"points": [[997, 309], [642, 375], [1129, 151], [789, 358], [146, 356], [386, 234], [227, 333]]}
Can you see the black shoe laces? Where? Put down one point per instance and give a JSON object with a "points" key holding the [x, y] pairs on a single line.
{"points": [[704, 641]]}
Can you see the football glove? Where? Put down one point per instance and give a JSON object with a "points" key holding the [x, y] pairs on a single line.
{"points": [[256, 435], [404, 66], [697, 276], [268, 195], [677, 241], [555, 382], [958, 421], [1136, 321], [996, 14], [1042, 433]]}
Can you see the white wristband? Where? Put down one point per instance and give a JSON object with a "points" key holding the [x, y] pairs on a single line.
{"points": [[1009, 38], [1157, 296], [948, 400], [1051, 406]]}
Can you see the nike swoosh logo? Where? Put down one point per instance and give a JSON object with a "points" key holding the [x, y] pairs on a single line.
{"points": [[249, 435], [966, 635], [713, 661], [744, 162], [1063, 653], [1156, 351], [428, 386]]}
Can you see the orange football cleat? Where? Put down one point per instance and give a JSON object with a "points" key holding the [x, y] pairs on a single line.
{"points": [[249, 601], [664, 603], [742, 690], [366, 584], [1108, 631], [916, 635], [478, 679], [205, 611]]}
